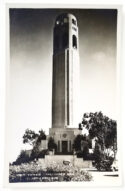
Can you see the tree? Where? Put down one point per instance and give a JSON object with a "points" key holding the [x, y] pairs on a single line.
{"points": [[103, 129], [101, 160], [30, 137], [33, 138], [77, 142], [81, 146], [51, 144], [41, 136], [35, 151], [22, 158], [111, 138]]}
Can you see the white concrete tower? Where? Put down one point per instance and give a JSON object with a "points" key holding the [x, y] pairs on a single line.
{"points": [[65, 88]]}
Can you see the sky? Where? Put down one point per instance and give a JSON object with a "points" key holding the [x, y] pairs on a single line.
{"points": [[29, 98]]}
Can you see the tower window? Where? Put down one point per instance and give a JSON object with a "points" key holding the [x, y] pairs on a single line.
{"points": [[73, 21], [65, 40], [74, 28], [74, 41]]}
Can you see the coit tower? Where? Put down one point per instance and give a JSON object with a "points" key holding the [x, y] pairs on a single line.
{"points": [[65, 87]]}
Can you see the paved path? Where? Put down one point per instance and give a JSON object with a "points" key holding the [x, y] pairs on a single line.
{"points": [[105, 178]]}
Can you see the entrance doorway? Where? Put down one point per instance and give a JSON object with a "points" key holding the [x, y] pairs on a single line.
{"points": [[64, 147]]}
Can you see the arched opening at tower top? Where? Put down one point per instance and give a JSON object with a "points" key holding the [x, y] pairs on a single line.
{"points": [[74, 21], [74, 39]]}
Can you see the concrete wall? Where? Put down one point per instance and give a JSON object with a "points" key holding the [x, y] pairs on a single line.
{"points": [[43, 145], [78, 162]]}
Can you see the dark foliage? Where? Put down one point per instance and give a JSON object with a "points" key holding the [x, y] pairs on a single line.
{"points": [[22, 158], [42, 153], [51, 144], [29, 137], [102, 128], [33, 138], [102, 161], [77, 142]]}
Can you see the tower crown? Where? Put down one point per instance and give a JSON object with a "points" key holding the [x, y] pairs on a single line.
{"points": [[65, 33], [65, 18]]}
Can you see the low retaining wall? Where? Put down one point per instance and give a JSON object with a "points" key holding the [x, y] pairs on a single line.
{"points": [[59, 159], [79, 162]]}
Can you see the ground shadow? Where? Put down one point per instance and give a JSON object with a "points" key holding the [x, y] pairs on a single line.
{"points": [[112, 175]]}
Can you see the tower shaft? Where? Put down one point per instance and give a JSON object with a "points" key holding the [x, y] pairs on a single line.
{"points": [[65, 89]]}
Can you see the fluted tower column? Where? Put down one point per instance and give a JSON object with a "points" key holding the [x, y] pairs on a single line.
{"points": [[65, 88]]}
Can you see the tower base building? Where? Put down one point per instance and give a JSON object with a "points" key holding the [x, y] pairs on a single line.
{"points": [[64, 138]]}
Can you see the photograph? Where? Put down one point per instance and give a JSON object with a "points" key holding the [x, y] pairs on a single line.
{"points": [[61, 100]]}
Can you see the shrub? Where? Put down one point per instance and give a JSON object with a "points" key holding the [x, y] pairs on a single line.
{"points": [[103, 165], [102, 161], [85, 151], [42, 153], [89, 156], [79, 154], [22, 158], [51, 144], [36, 172]]}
